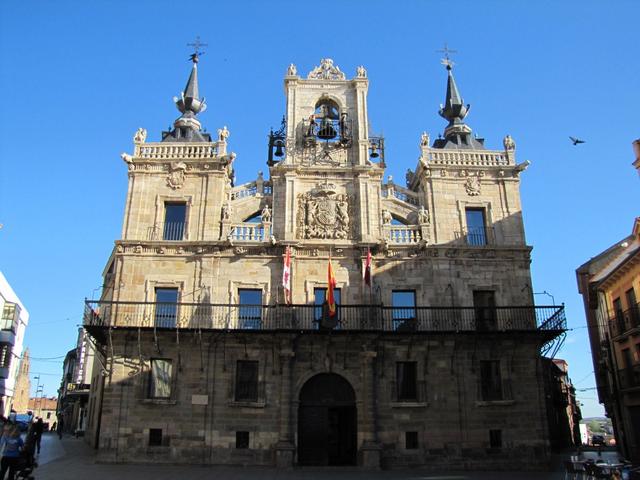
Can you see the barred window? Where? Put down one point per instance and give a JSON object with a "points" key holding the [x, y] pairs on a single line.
{"points": [[160, 378], [490, 380], [246, 381], [406, 381]]}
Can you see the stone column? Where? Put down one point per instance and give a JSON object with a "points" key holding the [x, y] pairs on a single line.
{"points": [[285, 447], [369, 424]]}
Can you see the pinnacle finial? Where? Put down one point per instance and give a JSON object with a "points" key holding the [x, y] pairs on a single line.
{"points": [[197, 45], [446, 61]]}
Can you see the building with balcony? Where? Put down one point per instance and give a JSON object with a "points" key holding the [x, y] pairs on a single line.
{"points": [[402, 330], [563, 410], [73, 395], [609, 284], [12, 329]]}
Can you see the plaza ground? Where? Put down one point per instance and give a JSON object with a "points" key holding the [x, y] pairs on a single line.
{"points": [[72, 458]]}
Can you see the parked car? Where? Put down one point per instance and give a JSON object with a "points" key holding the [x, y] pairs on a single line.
{"points": [[597, 440]]}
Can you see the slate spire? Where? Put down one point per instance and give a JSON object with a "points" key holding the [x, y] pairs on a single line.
{"points": [[187, 127], [457, 134]]}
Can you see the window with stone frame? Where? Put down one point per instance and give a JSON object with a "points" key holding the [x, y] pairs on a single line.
{"points": [[250, 309], [476, 233], [175, 215], [160, 376], [490, 380], [247, 377], [406, 381]]}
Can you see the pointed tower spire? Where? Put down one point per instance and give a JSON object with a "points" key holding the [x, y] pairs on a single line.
{"points": [[187, 127], [457, 134]]}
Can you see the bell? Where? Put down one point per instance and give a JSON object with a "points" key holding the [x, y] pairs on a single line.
{"points": [[326, 130], [278, 144], [374, 151]]}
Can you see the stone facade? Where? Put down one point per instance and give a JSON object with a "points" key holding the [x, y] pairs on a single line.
{"points": [[326, 201]]}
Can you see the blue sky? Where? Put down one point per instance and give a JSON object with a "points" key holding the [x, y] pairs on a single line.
{"points": [[78, 78]]}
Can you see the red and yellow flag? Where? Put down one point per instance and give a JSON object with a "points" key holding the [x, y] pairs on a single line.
{"points": [[331, 285], [286, 276]]}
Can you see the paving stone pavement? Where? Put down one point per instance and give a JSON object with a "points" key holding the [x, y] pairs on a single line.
{"points": [[71, 458]]}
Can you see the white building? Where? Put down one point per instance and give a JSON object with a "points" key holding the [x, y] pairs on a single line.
{"points": [[12, 328]]}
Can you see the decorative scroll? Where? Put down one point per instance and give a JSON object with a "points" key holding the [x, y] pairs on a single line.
{"points": [[326, 71]]}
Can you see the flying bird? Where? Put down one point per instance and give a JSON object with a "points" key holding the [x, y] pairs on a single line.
{"points": [[576, 141]]}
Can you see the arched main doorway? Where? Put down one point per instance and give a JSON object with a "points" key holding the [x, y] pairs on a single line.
{"points": [[327, 423]]}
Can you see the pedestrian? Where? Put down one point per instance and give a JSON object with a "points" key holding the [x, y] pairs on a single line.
{"points": [[10, 444], [53, 427], [60, 426], [38, 429]]}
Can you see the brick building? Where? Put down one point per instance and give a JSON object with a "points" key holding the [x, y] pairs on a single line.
{"points": [[204, 356]]}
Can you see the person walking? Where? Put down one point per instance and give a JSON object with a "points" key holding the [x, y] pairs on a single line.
{"points": [[60, 426], [38, 429], [10, 444]]}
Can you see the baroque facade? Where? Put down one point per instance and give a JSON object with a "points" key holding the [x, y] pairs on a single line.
{"points": [[203, 357]]}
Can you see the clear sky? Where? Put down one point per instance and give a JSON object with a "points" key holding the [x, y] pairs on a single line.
{"points": [[78, 78]]}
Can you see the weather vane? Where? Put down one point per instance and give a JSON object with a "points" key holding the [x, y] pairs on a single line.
{"points": [[446, 61], [197, 46]]}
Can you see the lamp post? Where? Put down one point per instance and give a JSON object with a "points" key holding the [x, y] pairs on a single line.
{"points": [[37, 377], [38, 404]]}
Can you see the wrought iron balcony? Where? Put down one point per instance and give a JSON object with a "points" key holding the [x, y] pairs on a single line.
{"points": [[622, 322], [376, 318]]}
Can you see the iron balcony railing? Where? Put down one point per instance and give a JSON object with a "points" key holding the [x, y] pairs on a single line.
{"points": [[624, 321], [315, 317]]}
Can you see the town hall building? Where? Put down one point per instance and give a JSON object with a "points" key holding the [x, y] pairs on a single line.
{"points": [[208, 354]]}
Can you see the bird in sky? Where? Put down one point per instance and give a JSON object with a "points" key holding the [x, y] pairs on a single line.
{"points": [[576, 141]]}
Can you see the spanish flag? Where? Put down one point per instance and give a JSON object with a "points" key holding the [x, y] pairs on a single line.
{"points": [[331, 285]]}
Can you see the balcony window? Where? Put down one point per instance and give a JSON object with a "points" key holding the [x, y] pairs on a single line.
{"points": [[476, 226], [10, 316], [250, 311], [490, 380], [406, 381], [632, 304], [484, 304], [175, 214], [404, 309], [617, 309], [321, 311], [166, 307], [246, 381], [160, 378]]}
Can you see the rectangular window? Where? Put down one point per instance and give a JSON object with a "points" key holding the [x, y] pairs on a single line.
{"points": [[250, 311], [484, 304], [404, 309], [160, 378], [319, 297], [490, 380], [242, 440], [175, 214], [166, 307], [495, 438], [406, 381], [619, 314], [10, 316], [476, 226], [632, 305], [627, 359], [155, 437], [411, 440], [246, 381]]}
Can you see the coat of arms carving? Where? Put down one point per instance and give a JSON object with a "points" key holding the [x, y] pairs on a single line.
{"points": [[323, 213], [175, 179]]}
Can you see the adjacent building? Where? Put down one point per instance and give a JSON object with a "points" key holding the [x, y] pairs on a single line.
{"points": [[73, 394], [321, 315], [563, 409], [12, 329], [45, 408]]}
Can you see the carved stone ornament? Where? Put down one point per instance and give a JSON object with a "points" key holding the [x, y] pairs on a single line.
{"points": [[508, 143], [324, 214], [175, 179], [423, 216], [265, 215], [361, 72], [292, 71], [326, 71], [472, 185], [140, 136], [223, 134]]}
